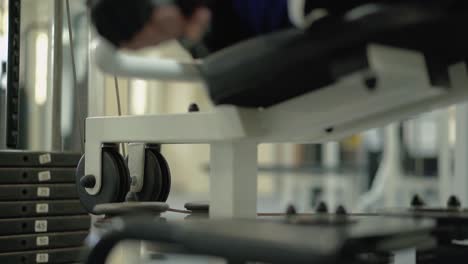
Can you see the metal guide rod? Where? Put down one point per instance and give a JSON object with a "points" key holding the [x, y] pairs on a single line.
{"points": [[77, 93], [57, 76]]}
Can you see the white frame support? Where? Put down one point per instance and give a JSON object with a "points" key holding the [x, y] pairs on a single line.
{"points": [[460, 188], [384, 191], [136, 165], [344, 108], [407, 256], [445, 157], [233, 179]]}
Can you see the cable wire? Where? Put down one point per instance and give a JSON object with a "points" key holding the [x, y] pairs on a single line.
{"points": [[119, 108], [172, 210], [117, 94]]}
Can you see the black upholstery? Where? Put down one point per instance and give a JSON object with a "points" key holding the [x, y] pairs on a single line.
{"points": [[267, 70]]}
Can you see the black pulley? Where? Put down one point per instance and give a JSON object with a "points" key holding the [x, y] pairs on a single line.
{"points": [[166, 177], [152, 178], [115, 182]]}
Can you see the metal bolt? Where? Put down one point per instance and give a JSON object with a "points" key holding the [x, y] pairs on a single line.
{"points": [[341, 210], [371, 83], [417, 201], [194, 108], [88, 181], [322, 208], [453, 202], [291, 210]]}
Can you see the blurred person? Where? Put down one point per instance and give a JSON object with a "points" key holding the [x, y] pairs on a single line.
{"points": [[204, 26]]}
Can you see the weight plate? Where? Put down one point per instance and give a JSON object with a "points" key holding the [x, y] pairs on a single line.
{"points": [[152, 178], [166, 177], [113, 177]]}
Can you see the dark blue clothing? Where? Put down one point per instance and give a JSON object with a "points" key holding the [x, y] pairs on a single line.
{"points": [[238, 20], [262, 16]]}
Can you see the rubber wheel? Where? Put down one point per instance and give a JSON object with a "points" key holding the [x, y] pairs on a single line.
{"points": [[166, 177], [115, 181], [153, 182], [125, 177]]}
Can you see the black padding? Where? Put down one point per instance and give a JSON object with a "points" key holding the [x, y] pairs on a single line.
{"points": [[267, 70]]}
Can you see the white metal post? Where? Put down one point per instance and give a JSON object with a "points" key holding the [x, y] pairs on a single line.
{"points": [[233, 180], [459, 80], [136, 165], [407, 256], [384, 190], [392, 159], [444, 157], [331, 163], [461, 154]]}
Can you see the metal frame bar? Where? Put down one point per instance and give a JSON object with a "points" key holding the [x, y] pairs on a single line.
{"points": [[57, 68], [136, 166], [233, 179]]}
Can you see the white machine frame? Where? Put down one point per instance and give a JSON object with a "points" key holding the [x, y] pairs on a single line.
{"points": [[346, 107]]}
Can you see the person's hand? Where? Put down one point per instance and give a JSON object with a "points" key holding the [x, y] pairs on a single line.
{"points": [[167, 22]]}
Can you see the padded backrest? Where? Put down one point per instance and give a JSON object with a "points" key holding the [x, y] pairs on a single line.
{"points": [[270, 69]]}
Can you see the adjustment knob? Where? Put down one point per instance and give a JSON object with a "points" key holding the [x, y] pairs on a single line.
{"points": [[88, 181]]}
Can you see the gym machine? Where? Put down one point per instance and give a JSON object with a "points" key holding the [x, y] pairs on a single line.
{"points": [[374, 64]]}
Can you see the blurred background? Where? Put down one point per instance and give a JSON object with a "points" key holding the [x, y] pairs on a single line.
{"points": [[381, 167]]}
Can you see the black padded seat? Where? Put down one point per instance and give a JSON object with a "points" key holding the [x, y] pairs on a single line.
{"points": [[271, 69]]}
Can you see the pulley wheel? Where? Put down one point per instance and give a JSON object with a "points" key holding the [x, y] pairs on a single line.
{"points": [[152, 178], [114, 182], [166, 177], [125, 179]]}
